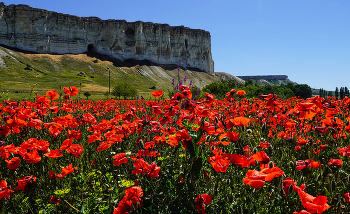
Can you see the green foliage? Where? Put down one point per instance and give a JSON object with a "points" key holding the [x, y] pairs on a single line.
{"points": [[87, 94], [283, 91], [336, 92], [125, 90], [219, 89], [107, 94]]}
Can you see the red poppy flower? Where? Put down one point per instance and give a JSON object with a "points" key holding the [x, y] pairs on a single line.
{"points": [[157, 94], [76, 134], [347, 197], [184, 88], [240, 92], [104, 145], [219, 163], [239, 160], [71, 91], [239, 121], [256, 179], [55, 200], [13, 163], [287, 183], [66, 144], [201, 200], [302, 212], [261, 157], [54, 154], [25, 182], [131, 201], [52, 94], [32, 157], [335, 162], [312, 204], [68, 170], [119, 159], [232, 135], [5, 192], [264, 144], [230, 94], [206, 175], [75, 150], [187, 93]]}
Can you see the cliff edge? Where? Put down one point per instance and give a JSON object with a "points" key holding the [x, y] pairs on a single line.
{"points": [[42, 31]]}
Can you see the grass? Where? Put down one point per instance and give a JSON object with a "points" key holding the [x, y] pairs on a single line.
{"points": [[24, 73]]}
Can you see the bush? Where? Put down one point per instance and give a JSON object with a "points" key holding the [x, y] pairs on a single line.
{"points": [[87, 94], [124, 90]]}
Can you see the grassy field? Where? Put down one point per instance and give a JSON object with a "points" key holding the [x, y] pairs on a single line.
{"points": [[23, 74]]}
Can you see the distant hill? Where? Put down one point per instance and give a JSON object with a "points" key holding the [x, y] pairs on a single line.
{"points": [[268, 79], [27, 71]]}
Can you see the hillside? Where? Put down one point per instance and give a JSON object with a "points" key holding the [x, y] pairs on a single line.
{"points": [[25, 71]]}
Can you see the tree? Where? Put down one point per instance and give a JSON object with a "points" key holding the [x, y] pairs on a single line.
{"points": [[87, 94], [336, 92], [346, 91], [124, 90], [341, 93], [330, 94], [302, 90]]}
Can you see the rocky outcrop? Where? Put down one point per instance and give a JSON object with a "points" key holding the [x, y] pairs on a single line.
{"points": [[229, 77], [44, 31]]}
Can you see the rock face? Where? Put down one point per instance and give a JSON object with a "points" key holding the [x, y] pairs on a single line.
{"points": [[44, 31]]}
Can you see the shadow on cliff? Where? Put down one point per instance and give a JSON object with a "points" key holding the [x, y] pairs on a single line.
{"points": [[133, 62], [116, 62]]}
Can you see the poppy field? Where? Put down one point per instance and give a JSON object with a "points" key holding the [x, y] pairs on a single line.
{"points": [[178, 155]]}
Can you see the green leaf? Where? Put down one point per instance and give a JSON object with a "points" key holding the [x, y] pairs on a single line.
{"points": [[170, 184], [82, 209], [191, 148], [109, 177], [196, 166], [61, 191]]}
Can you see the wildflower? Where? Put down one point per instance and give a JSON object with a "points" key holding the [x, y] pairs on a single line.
{"points": [[206, 199], [157, 94], [119, 159], [240, 92], [13, 163], [55, 200], [131, 201], [71, 91], [25, 182], [52, 94]]}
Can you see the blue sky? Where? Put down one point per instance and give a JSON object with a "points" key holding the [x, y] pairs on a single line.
{"points": [[308, 40]]}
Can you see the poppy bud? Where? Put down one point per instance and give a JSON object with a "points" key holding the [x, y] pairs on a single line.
{"points": [[271, 164], [249, 131], [333, 185], [291, 164], [330, 177], [318, 176]]}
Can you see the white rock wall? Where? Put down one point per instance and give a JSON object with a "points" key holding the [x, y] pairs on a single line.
{"points": [[43, 31]]}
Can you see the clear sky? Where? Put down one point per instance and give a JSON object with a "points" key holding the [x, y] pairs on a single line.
{"points": [[308, 40]]}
